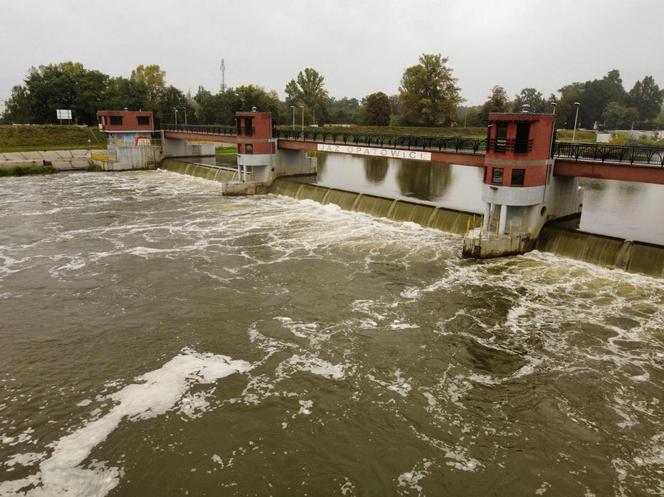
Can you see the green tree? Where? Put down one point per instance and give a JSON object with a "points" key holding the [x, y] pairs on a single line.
{"points": [[122, 93], [249, 96], [498, 101], [308, 90], [344, 110], [377, 109], [216, 108], [18, 107], [171, 102], [470, 116], [647, 98], [596, 96], [566, 110], [152, 77], [428, 93], [532, 98], [617, 116]]}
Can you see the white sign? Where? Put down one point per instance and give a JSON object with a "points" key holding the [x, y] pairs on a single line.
{"points": [[63, 114], [388, 153]]}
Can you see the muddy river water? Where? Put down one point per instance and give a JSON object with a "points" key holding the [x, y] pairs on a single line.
{"points": [[157, 339]]}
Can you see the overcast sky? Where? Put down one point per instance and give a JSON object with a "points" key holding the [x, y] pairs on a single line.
{"points": [[359, 46]]}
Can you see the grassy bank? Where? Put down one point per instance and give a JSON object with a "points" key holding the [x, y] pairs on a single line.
{"points": [[26, 170], [49, 137]]}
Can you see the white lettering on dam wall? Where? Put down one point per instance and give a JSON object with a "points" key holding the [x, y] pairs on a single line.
{"points": [[388, 153]]}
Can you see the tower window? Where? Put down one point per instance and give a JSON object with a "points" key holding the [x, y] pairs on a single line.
{"points": [[116, 120], [143, 120], [497, 175], [518, 176]]}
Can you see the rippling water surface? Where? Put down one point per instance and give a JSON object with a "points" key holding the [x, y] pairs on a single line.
{"points": [[157, 339]]}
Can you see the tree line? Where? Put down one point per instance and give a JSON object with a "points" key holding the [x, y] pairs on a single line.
{"points": [[428, 96]]}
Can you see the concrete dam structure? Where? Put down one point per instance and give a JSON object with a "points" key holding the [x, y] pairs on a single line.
{"points": [[555, 237]]}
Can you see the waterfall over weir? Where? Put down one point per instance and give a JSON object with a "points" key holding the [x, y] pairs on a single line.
{"points": [[399, 210], [635, 257]]}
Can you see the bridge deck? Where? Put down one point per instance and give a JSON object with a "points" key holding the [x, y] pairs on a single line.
{"points": [[590, 160]]}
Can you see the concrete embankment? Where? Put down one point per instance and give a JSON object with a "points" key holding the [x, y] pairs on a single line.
{"points": [[62, 160], [635, 257], [228, 177]]}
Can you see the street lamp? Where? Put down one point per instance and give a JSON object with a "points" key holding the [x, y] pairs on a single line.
{"points": [[576, 118], [302, 107], [185, 116], [293, 109], [176, 116]]}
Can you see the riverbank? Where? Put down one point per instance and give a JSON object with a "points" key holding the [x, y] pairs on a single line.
{"points": [[26, 138], [26, 170], [60, 160]]}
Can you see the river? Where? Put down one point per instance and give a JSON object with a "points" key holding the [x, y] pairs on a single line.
{"points": [[157, 339]]}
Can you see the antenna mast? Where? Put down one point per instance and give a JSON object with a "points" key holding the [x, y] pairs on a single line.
{"points": [[223, 76]]}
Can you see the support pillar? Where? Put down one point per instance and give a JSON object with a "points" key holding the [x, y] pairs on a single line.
{"points": [[487, 216], [503, 219]]}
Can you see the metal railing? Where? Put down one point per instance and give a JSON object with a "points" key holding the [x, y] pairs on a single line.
{"points": [[632, 154], [600, 152], [511, 146], [410, 142], [201, 129]]}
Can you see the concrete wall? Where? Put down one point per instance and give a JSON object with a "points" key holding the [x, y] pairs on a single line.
{"points": [[181, 148], [62, 160]]}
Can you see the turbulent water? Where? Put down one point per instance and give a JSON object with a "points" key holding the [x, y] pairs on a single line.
{"points": [[157, 339]]}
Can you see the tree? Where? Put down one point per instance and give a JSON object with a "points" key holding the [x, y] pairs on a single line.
{"points": [[152, 77], [122, 93], [377, 109], [428, 93], [596, 96], [344, 110], [617, 116], [647, 98], [566, 110], [18, 106], [170, 100], [532, 98], [308, 90], [498, 101], [249, 96]]}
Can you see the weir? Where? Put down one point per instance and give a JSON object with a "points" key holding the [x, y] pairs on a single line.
{"points": [[555, 237]]}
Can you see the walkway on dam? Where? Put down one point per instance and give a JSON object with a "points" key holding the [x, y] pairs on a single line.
{"points": [[639, 163]]}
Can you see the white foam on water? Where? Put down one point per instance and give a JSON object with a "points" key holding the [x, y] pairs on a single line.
{"points": [[305, 407], [400, 385], [25, 459], [347, 488], [298, 328], [153, 394], [412, 478], [400, 325], [314, 365]]}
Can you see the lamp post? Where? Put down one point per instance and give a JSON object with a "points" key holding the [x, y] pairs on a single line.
{"points": [[293, 109], [302, 107], [176, 116], [185, 116], [576, 118]]}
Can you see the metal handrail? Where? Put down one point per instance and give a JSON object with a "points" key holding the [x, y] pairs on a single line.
{"points": [[632, 154], [513, 146], [205, 129], [416, 142], [625, 154]]}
